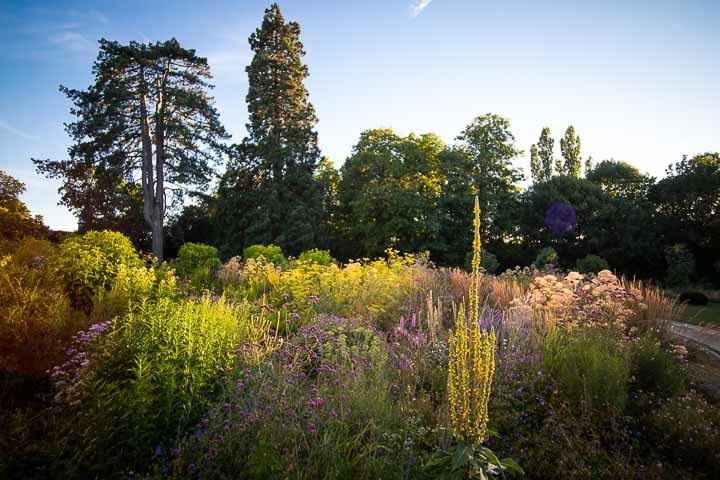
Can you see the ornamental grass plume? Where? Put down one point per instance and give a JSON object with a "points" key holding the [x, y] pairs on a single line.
{"points": [[472, 361]]}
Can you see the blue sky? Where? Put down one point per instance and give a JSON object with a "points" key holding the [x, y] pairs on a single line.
{"points": [[639, 80]]}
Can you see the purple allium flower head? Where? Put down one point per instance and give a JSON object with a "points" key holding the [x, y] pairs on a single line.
{"points": [[560, 218], [311, 428], [295, 316], [313, 299], [158, 451]]}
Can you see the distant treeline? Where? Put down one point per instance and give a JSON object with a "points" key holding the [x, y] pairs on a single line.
{"points": [[147, 136]]}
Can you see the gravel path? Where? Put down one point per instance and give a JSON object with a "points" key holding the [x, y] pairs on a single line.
{"points": [[708, 337]]}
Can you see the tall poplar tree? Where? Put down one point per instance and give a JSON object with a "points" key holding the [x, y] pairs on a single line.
{"points": [[146, 127], [536, 172], [570, 147], [269, 194], [546, 145]]}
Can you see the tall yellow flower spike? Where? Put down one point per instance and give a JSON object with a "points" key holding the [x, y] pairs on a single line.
{"points": [[472, 361]]}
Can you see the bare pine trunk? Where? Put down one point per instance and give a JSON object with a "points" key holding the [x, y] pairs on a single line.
{"points": [[153, 187]]}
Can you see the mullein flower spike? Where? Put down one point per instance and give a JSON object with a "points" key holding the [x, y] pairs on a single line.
{"points": [[472, 361]]}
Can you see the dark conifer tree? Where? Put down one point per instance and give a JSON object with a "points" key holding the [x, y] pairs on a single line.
{"points": [[269, 194]]}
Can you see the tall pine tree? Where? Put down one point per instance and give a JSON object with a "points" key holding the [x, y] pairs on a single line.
{"points": [[269, 194], [146, 127]]}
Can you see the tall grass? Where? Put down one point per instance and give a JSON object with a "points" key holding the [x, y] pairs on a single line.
{"points": [[150, 379]]}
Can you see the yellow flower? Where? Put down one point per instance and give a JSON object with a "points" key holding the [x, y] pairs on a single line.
{"points": [[471, 361]]}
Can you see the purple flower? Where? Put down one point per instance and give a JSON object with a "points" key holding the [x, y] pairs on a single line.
{"points": [[295, 316], [316, 402], [313, 299], [560, 218], [413, 321], [311, 428], [191, 468], [158, 451], [403, 363]]}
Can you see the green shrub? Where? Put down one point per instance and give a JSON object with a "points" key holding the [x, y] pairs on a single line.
{"points": [[193, 256], [591, 264], [546, 256], [681, 265], [89, 263], [35, 316], [320, 257], [198, 263], [271, 253], [657, 370], [693, 298], [592, 369], [687, 430], [150, 378]]}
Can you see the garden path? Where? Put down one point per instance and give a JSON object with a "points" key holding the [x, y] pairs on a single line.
{"points": [[708, 337]]}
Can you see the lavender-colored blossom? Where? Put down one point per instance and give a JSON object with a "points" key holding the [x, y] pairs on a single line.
{"points": [[560, 218]]}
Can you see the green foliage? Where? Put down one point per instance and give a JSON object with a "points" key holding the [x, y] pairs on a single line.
{"points": [[620, 179], [198, 262], [546, 256], [657, 370], [546, 146], [687, 430], [491, 146], [150, 379], [686, 203], [146, 121], [388, 193], [570, 147], [16, 222], [269, 193], [591, 264], [489, 261], [319, 257], [35, 316], [88, 264], [592, 369], [192, 256], [693, 298], [681, 265], [271, 253]]}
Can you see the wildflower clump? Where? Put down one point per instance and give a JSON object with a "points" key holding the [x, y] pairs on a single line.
{"points": [[471, 362]]}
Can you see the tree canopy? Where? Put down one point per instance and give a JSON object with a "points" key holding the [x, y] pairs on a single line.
{"points": [[269, 193], [146, 126]]}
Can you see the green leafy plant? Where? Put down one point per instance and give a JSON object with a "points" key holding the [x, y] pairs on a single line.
{"points": [[591, 264], [88, 264], [149, 378], [198, 263], [693, 298], [592, 369], [681, 265], [320, 257], [271, 253], [546, 256]]}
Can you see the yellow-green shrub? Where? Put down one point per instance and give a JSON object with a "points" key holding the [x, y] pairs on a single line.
{"points": [[88, 264]]}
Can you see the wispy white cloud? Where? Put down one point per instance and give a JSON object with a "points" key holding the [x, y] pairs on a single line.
{"points": [[9, 128], [418, 6], [72, 41]]}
